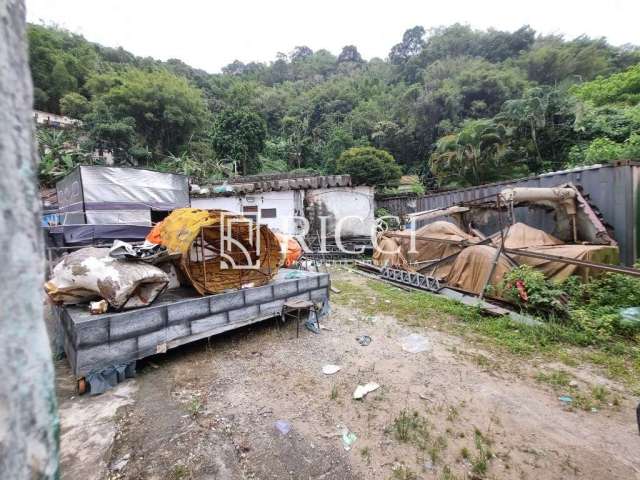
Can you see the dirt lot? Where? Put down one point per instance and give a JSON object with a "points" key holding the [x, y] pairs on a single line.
{"points": [[459, 410]]}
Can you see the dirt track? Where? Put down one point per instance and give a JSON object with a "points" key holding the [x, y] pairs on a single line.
{"points": [[207, 411]]}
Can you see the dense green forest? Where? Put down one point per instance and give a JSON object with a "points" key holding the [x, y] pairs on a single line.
{"points": [[455, 105]]}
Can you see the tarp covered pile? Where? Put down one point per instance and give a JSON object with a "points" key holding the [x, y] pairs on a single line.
{"points": [[91, 274], [469, 269], [216, 250]]}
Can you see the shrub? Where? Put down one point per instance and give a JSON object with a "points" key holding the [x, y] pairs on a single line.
{"points": [[595, 306], [369, 166], [530, 290]]}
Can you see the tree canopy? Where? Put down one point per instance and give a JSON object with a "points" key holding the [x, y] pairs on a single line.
{"points": [[369, 166], [453, 103]]}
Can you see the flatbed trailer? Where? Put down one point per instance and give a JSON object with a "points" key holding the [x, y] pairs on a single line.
{"points": [[94, 343]]}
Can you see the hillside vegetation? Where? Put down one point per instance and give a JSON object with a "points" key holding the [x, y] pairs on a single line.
{"points": [[455, 105]]}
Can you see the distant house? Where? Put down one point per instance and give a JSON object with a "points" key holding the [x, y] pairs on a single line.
{"points": [[285, 201], [47, 119]]}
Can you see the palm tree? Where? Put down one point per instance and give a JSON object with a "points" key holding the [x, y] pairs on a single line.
{"points": [[57, 156], [472, 155]]}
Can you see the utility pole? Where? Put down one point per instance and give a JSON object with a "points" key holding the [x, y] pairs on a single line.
{"points": [[28, 408]]}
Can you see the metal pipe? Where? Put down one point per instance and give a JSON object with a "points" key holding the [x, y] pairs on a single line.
{"points": [[462, 243], [583, 263]]}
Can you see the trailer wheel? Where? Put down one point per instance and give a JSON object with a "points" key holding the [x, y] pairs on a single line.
{"points": [[82, 386]]}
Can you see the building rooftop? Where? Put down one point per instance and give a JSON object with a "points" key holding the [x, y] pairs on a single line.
{"points": [[268, 183]]}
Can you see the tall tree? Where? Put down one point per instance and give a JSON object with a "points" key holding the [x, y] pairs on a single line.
{"points": [[370, 166], [239, 135], [166, 109], [471, 156], [350, 54], [411, 46]]}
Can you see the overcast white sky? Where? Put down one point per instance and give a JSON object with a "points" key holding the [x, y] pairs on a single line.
{"points": [[211, 34]]}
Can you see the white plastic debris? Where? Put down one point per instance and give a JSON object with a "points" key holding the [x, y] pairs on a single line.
{"points": [[96, 308], [331, 369], [362, 390], [348, 439], [415, 343], [283, 426]]}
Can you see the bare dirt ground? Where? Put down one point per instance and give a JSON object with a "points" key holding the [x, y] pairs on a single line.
{"points": [[207, 411]]}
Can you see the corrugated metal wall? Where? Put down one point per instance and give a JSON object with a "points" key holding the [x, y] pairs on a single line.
{"points": [[611, 188]]}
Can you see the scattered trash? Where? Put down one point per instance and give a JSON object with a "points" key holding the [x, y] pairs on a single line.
{"points": [[96, 308], [148, 252], [294, 274], [283, 426], [335, 290], [312, 322], [566, 399], [331, 369], [364, 340], [322, 327], [415, 343], [573, 384], [594, 410], [121, 463], [362, 390], [387, 301], [428, 465], [224, 188], [348, 439], [630, 317]]}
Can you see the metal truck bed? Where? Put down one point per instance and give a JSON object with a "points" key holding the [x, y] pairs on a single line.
{"points": [[177, 317]]}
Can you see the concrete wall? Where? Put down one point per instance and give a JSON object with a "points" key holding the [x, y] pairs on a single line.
{"points": [[613, 189], [333, 203], [288, 203], [340, 203]]}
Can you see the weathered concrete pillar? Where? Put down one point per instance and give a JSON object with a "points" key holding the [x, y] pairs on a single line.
{"points": [[28, 410]]}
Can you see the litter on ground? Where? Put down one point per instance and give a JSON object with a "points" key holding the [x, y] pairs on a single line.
{"points": [[415, 343], [362, 390], [348, 439], [331, 369], [283, 426]]}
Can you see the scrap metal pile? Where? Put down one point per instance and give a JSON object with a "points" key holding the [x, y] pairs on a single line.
{"points": [[457, 255]]}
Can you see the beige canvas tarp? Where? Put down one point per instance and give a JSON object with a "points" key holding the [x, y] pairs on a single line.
{"points": [[424, 250], [558, 271], [522, 236], [388, 253], [471, 268]]}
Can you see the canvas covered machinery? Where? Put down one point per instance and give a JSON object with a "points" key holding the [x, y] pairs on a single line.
{"points": [[459, 255]]}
